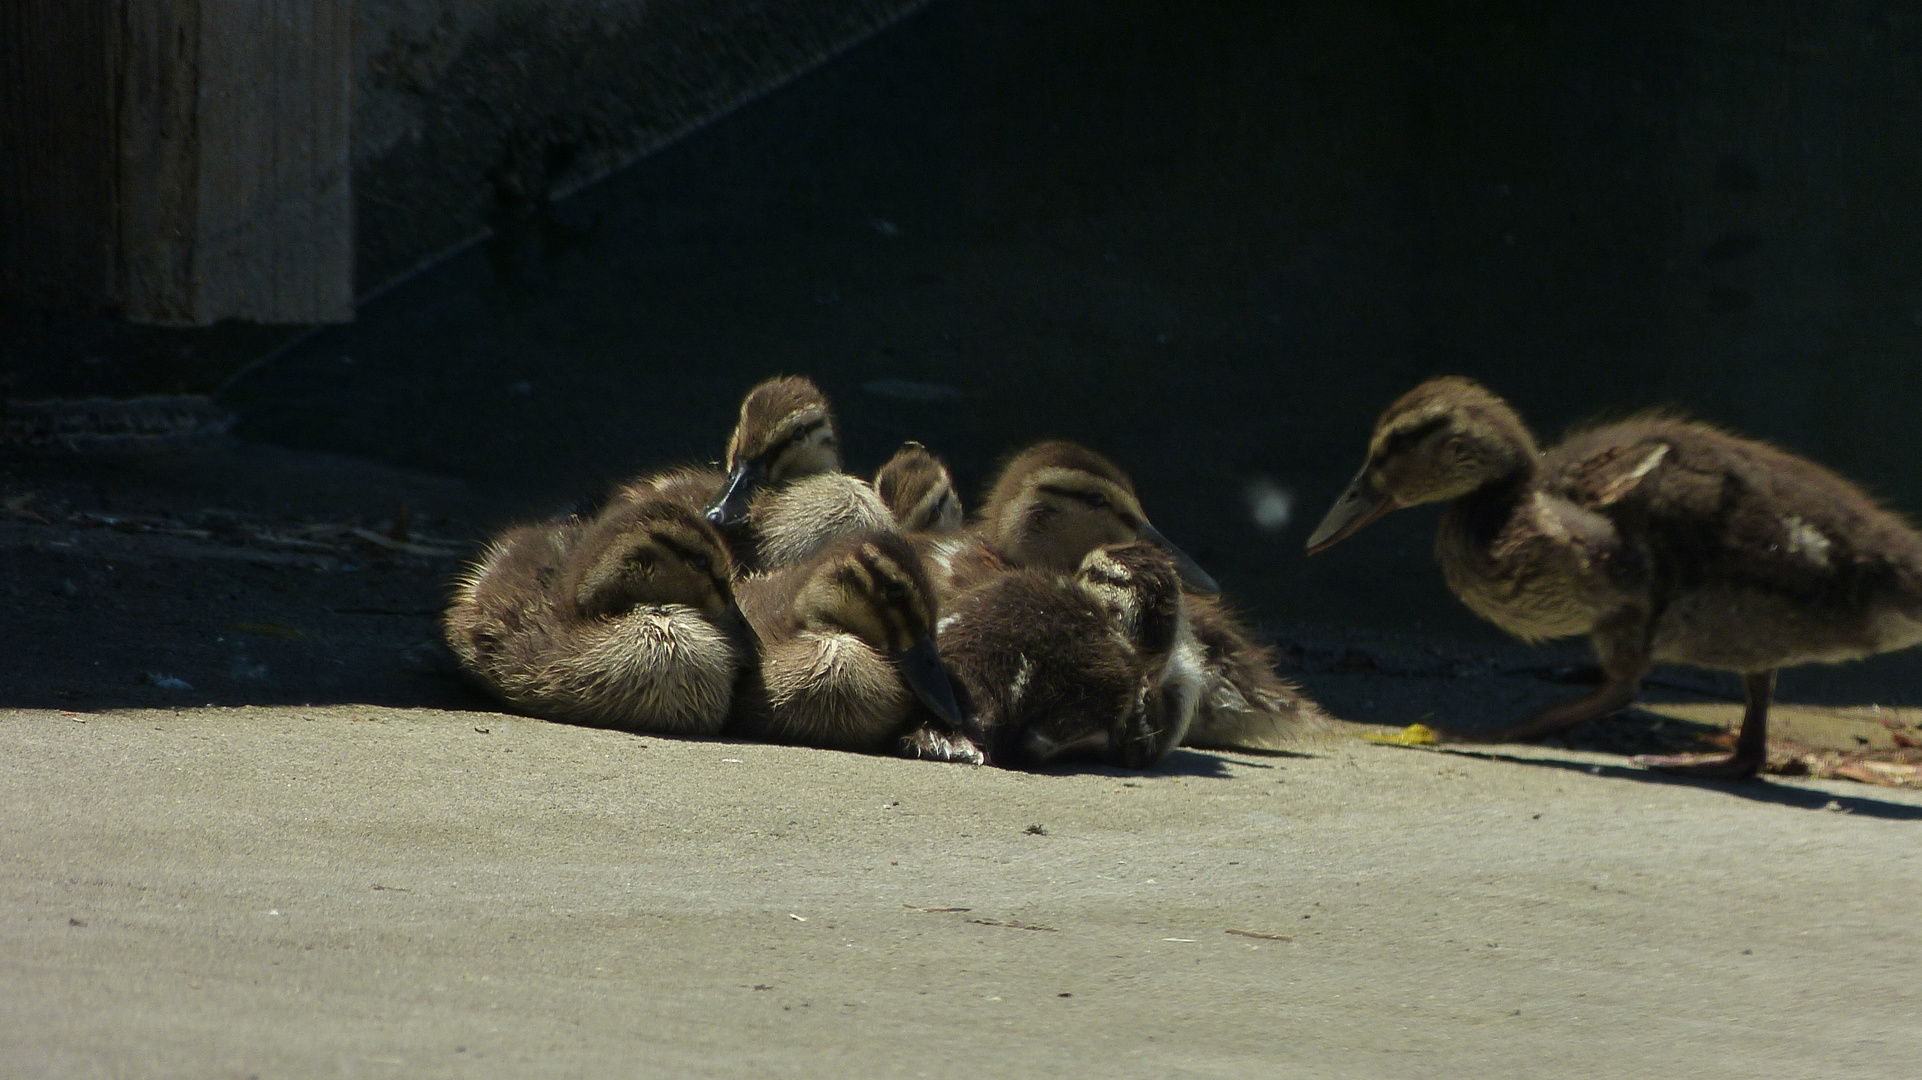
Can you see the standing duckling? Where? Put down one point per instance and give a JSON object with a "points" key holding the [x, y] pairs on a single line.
{"points": [[1665, 541], [846, 649], [1055, 502], [627, 621], [1097, 665], [915, 487], [784, 498]]}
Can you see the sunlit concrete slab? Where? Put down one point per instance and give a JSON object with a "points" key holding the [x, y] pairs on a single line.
{"points": [[364, 891]]}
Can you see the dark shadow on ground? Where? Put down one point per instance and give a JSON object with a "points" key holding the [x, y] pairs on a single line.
{"points": [[1759, 789]]}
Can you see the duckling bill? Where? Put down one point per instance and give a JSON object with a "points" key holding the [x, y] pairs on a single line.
{"points": [[1664, 540], [784, 497]]}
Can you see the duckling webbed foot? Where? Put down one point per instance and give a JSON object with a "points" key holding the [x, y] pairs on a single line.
{"points": [[1751, 746], [931, 743]]}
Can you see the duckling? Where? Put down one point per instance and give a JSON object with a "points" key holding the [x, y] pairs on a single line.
{"points": [[507, 593], [1055, 502], [917, 490], [1094, 665], [1664, 540], [784, 497], [1244, 703], [626, 621], [847, 647]]}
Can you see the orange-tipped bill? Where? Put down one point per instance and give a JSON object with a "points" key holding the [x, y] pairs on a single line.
{"points": [[1360, 505]]}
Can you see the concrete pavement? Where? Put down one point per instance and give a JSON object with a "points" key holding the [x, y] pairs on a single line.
{"points": [[367, 891]]}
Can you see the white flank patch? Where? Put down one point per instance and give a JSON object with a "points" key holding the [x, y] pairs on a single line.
{"points": [[1807, 541], [1017, 686]]}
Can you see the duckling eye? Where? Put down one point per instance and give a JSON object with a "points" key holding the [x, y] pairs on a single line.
{"points": [[1095, 499]]}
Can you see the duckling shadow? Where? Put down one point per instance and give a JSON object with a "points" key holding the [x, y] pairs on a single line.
{"points": [[1181, 763], [1756, 790]]}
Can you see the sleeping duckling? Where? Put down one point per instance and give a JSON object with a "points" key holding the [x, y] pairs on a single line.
{"points": [[1097, 665], [502, 600], [1055, 502], [847, 647], [917, 490], [1664, 540], [784, 497], [627, 621]]}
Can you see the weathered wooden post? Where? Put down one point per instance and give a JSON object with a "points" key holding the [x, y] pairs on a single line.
{"points": [[178, 161]]}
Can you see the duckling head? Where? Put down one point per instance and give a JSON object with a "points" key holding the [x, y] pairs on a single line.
{"points": [[786, 431], [651, 551], [1442, 440], [918, 491], [874, 588], [1140, 586], [1056, 502]]}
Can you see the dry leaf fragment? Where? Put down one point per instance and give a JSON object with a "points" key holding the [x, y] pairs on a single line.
{"points": [[1258, 934]]}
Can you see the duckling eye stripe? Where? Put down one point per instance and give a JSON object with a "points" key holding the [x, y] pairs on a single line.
{"points": [[857, 577], [798, 436], [1087, 498], [1403, 438]]}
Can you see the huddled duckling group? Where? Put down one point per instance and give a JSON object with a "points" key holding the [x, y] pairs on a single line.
{"points": [[779, 598]]}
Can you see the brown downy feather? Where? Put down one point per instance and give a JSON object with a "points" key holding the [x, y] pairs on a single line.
{"points": [[781, 497], [831, 634], [1662, 539], [1092, 666], [1055, 502], [917, 490], [1246, 704], [626, 621]]}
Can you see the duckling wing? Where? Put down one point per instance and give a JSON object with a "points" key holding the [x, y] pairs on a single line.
{"points": [[1760, 558], [692, 485]]}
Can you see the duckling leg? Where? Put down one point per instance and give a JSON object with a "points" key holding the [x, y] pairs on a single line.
{"points": [[1624, 660], [1751, 746], [1613, 695]]}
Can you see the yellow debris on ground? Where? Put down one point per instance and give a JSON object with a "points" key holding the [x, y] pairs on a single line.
{"points": [[1412, 735]]}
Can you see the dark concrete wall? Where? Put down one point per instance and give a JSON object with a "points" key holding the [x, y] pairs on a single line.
{"points": [[473, 111]]}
